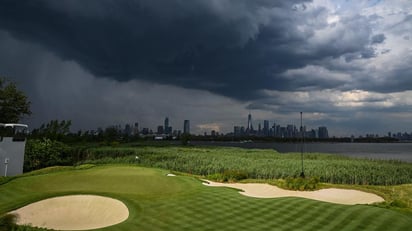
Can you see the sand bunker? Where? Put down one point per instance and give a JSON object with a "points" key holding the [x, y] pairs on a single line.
{"points": [[332, 195], [77, 212]]}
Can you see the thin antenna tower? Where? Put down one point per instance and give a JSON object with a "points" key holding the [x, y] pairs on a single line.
{"points": [[302, 174]]}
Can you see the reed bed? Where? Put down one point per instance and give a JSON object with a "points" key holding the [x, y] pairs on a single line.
{"points": [[257, 163]]}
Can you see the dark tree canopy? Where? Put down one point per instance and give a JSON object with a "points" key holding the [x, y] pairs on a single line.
{"points": [[53, 130], [13, 102]]}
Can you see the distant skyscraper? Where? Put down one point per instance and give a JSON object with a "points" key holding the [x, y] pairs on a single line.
{"points": [[160, 130], [167, 128], [323, 133], [249, 123], [237, 131], [274, 129], [266, 128], [186, 127], [127, 130], [290, 130], [145, 131], [136, 129]]}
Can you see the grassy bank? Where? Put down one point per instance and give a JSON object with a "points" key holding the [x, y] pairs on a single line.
{"points": [[159, 202]]}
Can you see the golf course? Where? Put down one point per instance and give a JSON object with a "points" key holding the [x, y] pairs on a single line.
{"points": [[156, 201]]}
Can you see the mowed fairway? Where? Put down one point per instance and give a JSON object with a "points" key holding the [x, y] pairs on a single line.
{"points": [[160, 202]]}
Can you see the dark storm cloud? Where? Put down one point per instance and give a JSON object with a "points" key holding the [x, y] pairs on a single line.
{"points": [[368, 53], [379, 38], [398, 80], [229, 47]]}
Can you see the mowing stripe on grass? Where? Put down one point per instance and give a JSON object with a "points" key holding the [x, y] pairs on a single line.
{"points": [[157, 202]]}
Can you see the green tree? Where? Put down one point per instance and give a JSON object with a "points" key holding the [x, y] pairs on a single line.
{"points": [[13, 102], [41, 153], [185, 138], [55, 130], [111, 134]]}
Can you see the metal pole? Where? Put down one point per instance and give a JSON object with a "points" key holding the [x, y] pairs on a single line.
{"points": [[302, 174], [6, 162]]}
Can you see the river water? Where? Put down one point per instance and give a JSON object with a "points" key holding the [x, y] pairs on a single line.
{"points": [[385, 151]]}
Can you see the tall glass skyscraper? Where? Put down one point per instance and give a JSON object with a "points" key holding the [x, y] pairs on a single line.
{"points": [[166, 127], [249, 123], [186, 127]]}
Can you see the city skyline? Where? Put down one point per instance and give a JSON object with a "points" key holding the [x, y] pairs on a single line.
{"points": [[275, 130], [345, 64], [267, 130]]}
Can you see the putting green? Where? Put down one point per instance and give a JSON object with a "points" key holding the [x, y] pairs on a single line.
{"points": [[159, 202]]}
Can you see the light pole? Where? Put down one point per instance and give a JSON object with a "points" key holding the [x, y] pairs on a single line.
{"points": [[302, 174], [6, 162]]}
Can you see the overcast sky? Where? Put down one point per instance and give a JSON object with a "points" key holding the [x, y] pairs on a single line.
{"points": [[346, 65]]}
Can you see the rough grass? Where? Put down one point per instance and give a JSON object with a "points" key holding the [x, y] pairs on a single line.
{"points": [[258, 163], [157, 202], [397, 197]]}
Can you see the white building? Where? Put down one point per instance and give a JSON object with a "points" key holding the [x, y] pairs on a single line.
{"points": [[12, 144]]}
